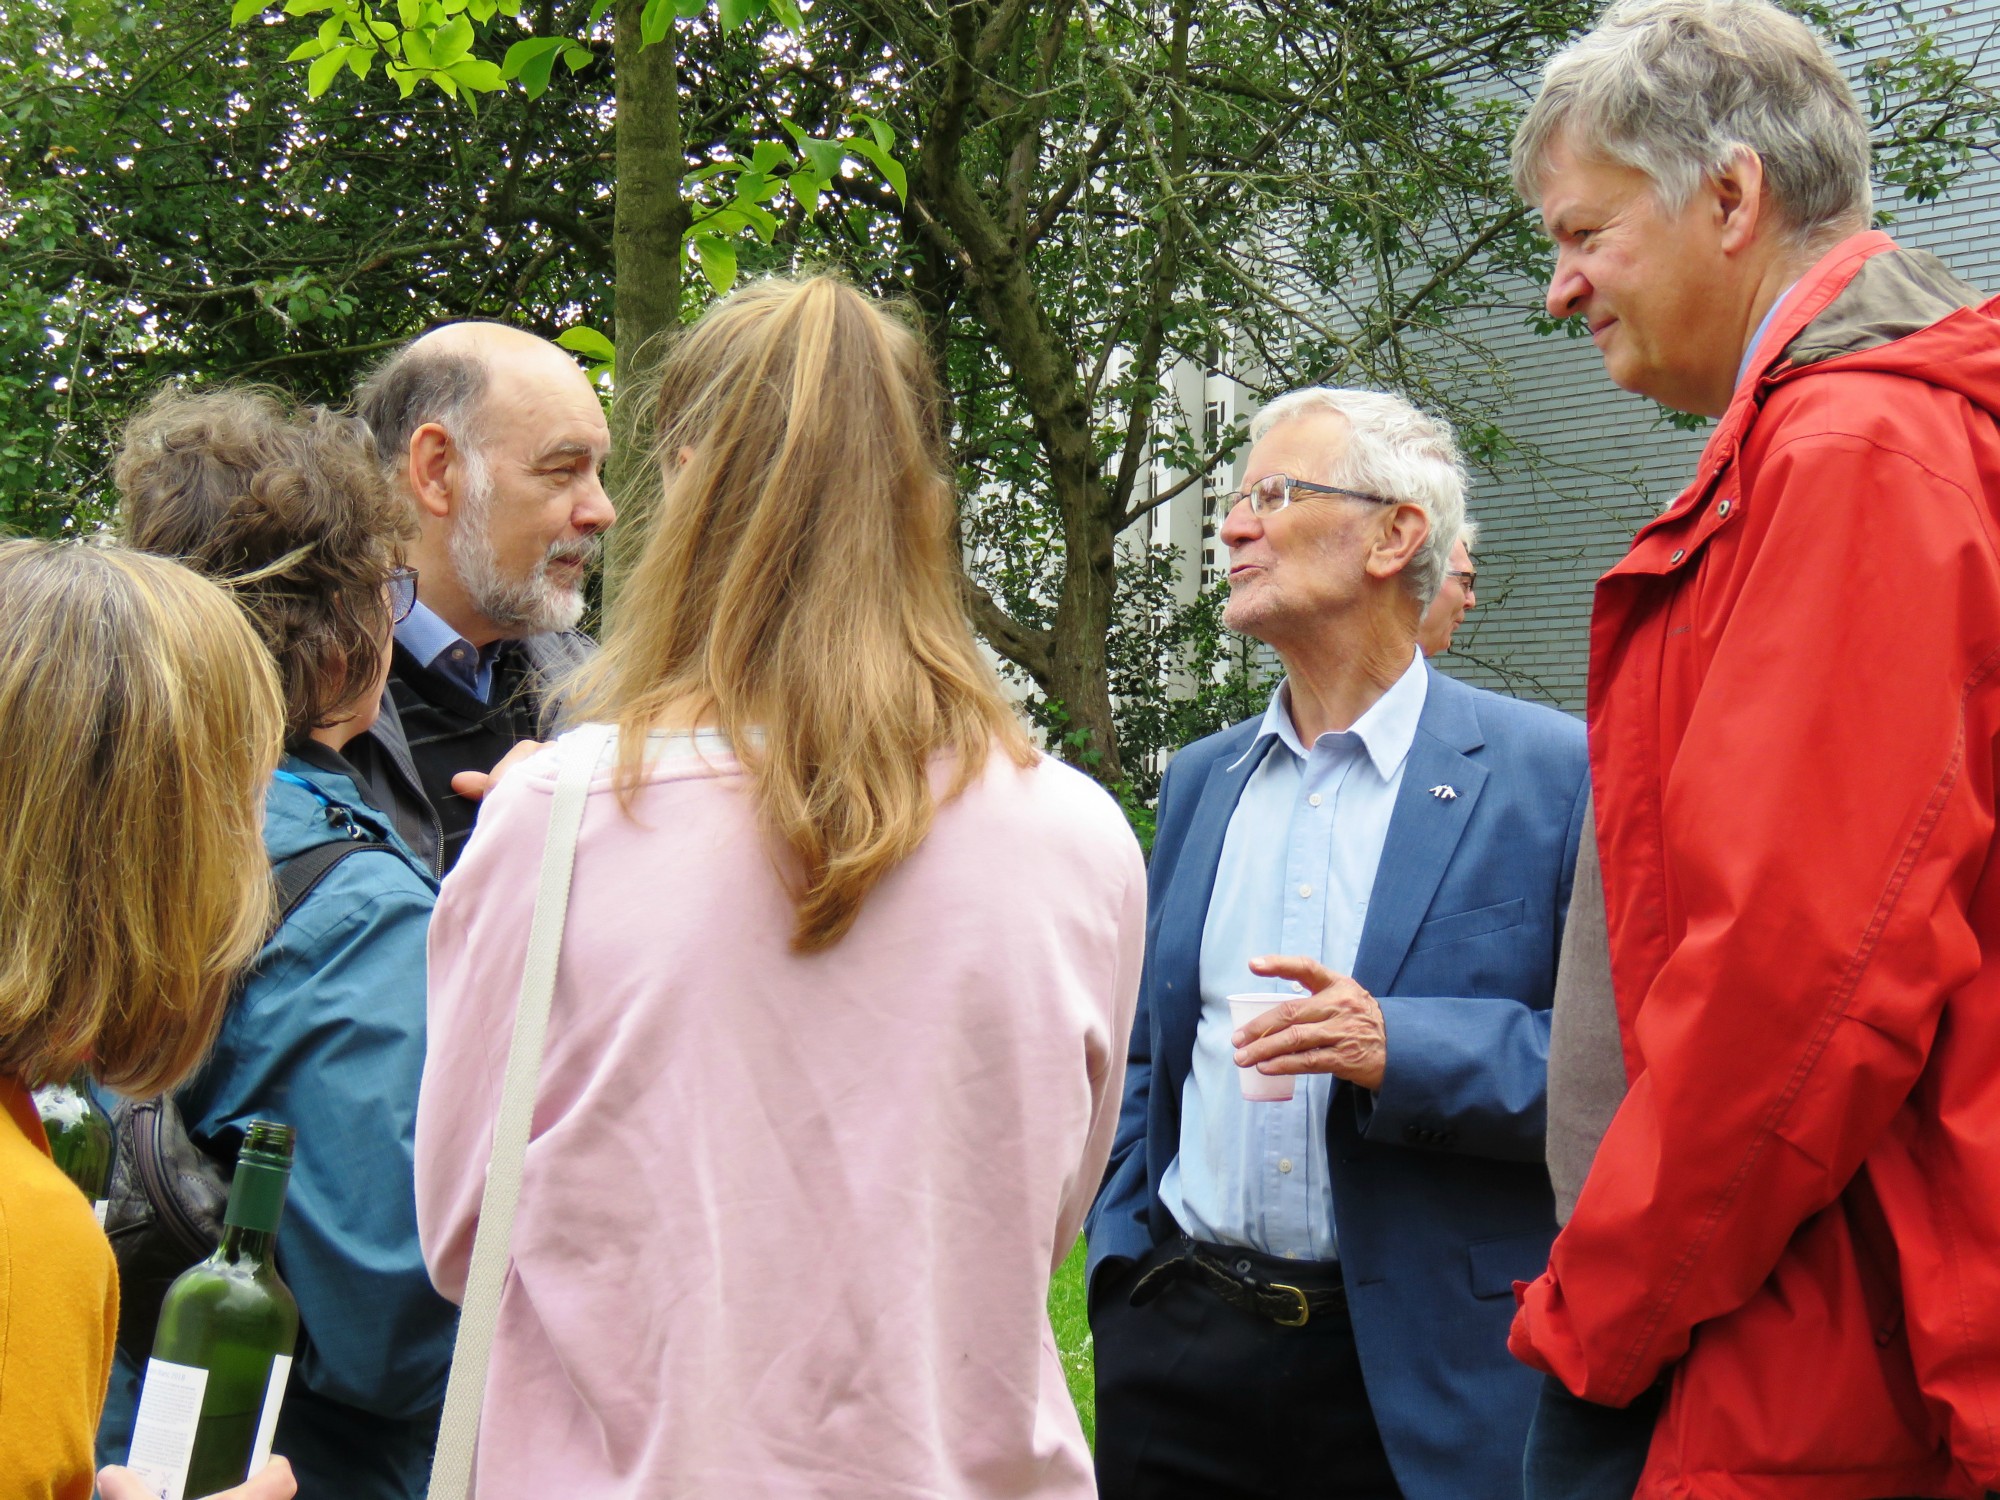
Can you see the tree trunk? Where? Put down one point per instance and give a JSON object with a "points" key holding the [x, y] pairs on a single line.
{"points": [[650, 218]]}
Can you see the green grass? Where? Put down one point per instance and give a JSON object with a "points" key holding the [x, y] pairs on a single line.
{"points": [[1072, 1325]]}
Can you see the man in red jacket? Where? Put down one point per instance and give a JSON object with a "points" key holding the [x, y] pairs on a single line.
{"points": [[1788, 1243]]}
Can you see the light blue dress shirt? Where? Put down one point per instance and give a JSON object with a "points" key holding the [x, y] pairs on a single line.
{"points": [[1763, 327], [425, 636], [1297, 867]]}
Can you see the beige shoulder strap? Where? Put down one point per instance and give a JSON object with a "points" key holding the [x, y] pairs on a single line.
{"points": [[458, 1433]]}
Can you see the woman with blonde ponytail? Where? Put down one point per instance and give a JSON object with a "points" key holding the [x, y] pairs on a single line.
{"points": [[839, 1030]]}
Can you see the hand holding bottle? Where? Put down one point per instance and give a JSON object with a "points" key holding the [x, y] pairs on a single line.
{"points": [[273, 1482]]}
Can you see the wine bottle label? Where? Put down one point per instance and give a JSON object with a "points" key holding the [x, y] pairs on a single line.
{"points": [[267, 1424], [163, 1433]]}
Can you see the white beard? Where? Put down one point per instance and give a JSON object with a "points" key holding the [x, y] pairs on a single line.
{"points": [[516, 606]]}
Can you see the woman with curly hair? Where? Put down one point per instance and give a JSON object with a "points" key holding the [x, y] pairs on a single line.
{"points": [[289, 511]]}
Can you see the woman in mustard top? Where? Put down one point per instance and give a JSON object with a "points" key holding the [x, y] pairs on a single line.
{"points": [[142, 722]]}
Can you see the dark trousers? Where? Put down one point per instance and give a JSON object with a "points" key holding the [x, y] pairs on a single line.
{"points": [[1200, 1400], [1578, 1450]]}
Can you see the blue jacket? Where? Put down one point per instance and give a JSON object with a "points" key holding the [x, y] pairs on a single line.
{"points": [[1440, 1195], [327, 1035]]}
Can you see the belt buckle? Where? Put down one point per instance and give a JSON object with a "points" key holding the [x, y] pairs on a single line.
{"points": [[1305, 1308]]}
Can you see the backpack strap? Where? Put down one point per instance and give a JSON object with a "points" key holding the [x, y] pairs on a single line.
{"points": [[299, 875]]}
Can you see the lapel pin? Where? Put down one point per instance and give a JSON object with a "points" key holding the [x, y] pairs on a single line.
{"points": [[1443, 793]]}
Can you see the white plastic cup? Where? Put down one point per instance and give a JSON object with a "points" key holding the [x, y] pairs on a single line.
{"points": [[1255, 1085]]}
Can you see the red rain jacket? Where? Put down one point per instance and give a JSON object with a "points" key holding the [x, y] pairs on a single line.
{"points": [[1794, 723]]}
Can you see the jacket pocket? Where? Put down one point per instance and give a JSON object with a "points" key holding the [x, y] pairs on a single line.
{"points": [[1498, 1264], [1456, 926]]}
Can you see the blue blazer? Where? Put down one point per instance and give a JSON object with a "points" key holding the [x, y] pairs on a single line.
{"points": [[1441, 1199]]}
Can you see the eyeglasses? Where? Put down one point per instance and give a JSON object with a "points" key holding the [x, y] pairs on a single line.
{"points": [[1273, 493], [402, 588], [1468, 577]]}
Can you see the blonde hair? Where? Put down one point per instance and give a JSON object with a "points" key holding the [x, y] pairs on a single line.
{"points": [[800, 589], [144, 723]]}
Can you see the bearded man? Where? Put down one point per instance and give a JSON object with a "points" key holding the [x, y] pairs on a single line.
{"points": [[498, 439]]}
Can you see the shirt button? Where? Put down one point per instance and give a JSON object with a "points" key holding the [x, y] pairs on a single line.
{"points": [[1285, 1165], [1722, 509], [1305, 890], [1314, 799], [1679, 553]]}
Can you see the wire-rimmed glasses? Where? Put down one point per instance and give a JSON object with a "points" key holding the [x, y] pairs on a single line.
{"points": [[1274, 492]]}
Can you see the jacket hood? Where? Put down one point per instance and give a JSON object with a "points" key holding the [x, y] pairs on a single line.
{"points": [[295, 818], [1901, 312]]}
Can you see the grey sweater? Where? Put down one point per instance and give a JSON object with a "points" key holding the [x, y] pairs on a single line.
{"points": [[1586, 1062]]}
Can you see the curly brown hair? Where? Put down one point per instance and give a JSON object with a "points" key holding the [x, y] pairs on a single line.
{"points": [[287, 508]]}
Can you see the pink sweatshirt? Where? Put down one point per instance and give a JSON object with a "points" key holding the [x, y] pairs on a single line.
{"points": [[788, 1222]]}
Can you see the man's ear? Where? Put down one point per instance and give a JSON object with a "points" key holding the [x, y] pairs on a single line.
{"points": [[1400, 539], [430, 463], [1737, 195]]}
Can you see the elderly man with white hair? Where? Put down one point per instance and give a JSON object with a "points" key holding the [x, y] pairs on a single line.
{"points": [[1781, 1278], [1309, 1295]]}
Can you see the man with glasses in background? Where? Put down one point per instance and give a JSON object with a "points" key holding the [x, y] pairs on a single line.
{"points": [[498, 438], [1311, 1295], [1454, 596]]}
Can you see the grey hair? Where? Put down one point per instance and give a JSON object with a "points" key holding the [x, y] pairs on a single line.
{"points": [[1468, 533], [417, 385], [1394, 451], [1676, 88]]}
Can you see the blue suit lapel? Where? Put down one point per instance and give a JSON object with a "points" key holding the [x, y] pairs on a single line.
{"points": [[1424, 829], [1185, 912]]}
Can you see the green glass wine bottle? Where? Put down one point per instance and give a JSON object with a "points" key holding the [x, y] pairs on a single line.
{"points": [[213, 1387], [79, 1133]]}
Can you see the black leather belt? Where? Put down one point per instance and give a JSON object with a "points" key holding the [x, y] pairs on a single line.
{"points": [[1253, 1282]]}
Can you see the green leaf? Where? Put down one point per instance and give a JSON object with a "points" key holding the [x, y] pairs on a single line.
{"points": [[320, 76], [578, 58], [532, 62], [306, 7], [406, 12], [768, 156], [762, 220], [687, 10], [405, 80], [718, 261], [825, 156], [453, 41], [597, 10], [312, 47], [735, 13], [477, 73], [450, 88], [417, 49], [243, 10], [481, 11], [891, 169], [806, 187], [359, 61], [589, 343], [331, 28], [655, 21], [789, 15], [884, 136]]}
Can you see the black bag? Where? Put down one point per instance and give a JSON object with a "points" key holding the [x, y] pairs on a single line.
{"points": [[167, 1195]]}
